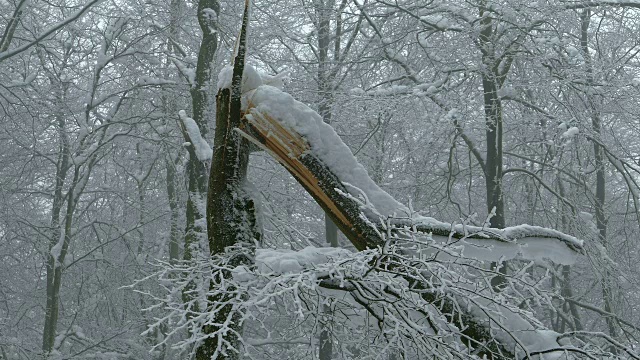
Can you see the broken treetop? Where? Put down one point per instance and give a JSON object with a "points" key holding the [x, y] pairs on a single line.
{"points": [[299, 131]]}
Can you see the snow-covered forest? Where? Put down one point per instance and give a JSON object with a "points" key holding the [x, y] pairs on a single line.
{"points": [[319, 179]]}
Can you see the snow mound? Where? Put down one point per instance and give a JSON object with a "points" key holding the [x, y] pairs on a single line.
{"points": [[202, 148], [288, 261], [251, 79]]}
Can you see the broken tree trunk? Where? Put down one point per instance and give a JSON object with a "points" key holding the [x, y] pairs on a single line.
{"points": [[363, 228], [231, 222], [274, 123]]}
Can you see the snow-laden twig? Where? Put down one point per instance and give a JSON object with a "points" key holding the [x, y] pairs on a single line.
{"points": [[415, 295]]}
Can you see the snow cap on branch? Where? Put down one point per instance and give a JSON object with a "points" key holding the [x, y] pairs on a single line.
{"points": [[202, 149]]}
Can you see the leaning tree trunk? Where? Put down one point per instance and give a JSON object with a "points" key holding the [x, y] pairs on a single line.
{"points": [[292, 151], [12, 24]]}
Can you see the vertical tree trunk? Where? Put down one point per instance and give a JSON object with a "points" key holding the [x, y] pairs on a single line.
{"points": [[196, 169], [171, 109], [174, 231], [231, 218], [62, 166], [195, 230], [323, 10], [55, 267], [493, 123], [598, 152], [567, 289]]}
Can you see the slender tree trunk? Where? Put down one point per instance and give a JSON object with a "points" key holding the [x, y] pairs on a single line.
{"points": [[567, 289], [196, 169], [62, 166], [174, 230], [195, 230], [325, 89], [598, 152], [171, 109], [12, 24], [55, 267], [493, 124]]}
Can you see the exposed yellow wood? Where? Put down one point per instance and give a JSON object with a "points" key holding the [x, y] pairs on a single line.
{"points": [[287, 147]]}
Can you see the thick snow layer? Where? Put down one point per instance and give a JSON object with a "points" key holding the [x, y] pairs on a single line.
{"points": [[510, 328], [288, 261], [534, 243], [573, 131], [57, 249], [202, 148], [251, 79], [523, 336], [325, 144], [532, 248], [520, 233]]}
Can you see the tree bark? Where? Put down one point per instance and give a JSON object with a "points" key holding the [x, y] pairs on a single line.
{"points": [[493, 124], [231, 218], [196, 169], [62, 166], [328, 191], [598, 153], [195, 229], [325, 89], [171, 109]]}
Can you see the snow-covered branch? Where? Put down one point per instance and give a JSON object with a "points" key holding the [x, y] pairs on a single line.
{"points": [[425, 305], [202, 149], [47, 32], [311, 150]]}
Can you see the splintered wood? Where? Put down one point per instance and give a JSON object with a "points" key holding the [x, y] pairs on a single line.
{"points": [[288, 147], [364, 231]]}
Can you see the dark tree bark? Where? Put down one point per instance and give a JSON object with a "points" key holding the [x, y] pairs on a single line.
{"points": [[491, 82], [599, 156], [195, 229], [196, 169], [231, 218]]}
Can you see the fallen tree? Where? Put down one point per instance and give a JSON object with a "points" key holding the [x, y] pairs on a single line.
{"points": [[297, 137], [314, 154], [425, 282], [412, 271], [370, 218]]}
